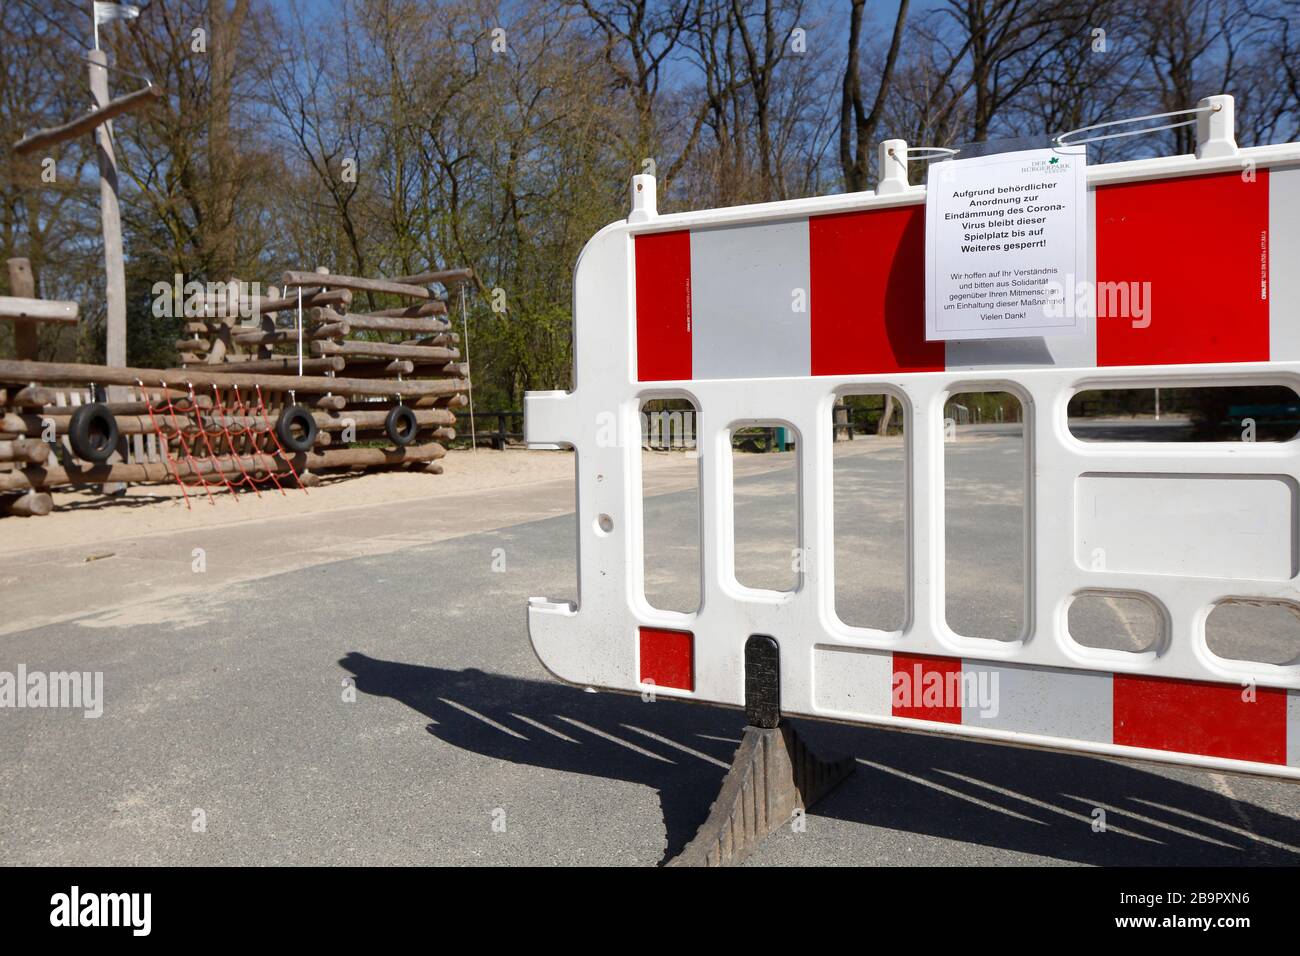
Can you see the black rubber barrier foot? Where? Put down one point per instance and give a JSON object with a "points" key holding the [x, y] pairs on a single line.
{"points": [[772, 775]]}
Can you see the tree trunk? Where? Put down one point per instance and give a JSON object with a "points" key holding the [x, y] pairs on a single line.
{"points": [[882, 428], [226, 26]]}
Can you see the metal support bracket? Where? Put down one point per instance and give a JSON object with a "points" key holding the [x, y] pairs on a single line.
{"points": [[772, 775]]}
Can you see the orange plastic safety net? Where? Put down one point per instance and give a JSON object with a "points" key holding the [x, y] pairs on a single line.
{"points": [[211, 441]]}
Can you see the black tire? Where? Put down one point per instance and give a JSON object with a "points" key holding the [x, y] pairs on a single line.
{"points": [[401, 426], [296, 429], [93, 432]]}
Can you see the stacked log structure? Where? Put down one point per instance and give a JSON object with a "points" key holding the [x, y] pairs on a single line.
{"points": [[340, 373]]}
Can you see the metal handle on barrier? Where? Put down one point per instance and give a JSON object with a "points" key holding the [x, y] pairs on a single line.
{"points": [[1213, 117], [893, 157]]}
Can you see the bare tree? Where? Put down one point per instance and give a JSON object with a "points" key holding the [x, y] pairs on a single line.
{"points": [[765, 45], [48, 215], [226, 27], [638, 39], [858, 124], [398, 134], [1179, 40]]}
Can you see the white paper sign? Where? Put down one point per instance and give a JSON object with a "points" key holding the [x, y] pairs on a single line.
{"points": [[1005, 238]]}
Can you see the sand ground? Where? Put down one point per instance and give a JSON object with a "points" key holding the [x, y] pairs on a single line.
{"points": [[88, 518], [147, 557]]}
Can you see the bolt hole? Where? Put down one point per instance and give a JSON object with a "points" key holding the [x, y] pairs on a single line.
{"points": [[604, 524]]}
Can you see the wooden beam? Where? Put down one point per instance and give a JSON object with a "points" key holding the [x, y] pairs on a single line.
{"points": [[356, 283], [31, 449], [432, 307], [38, 396], [425, 353], [56, 372], [376, 419], [41, 477], [33, 504], [383, 323], [443, 276], [280, 365], [377, 367], [448, 339], [87, 121], [29, 425], [38, 310], [311, 298], [446, 369], [457, 399], [36, 476], [328, 330]]}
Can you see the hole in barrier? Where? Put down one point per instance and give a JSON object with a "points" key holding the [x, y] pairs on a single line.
{"points": [[765, 506], [869, 465], [670, 504], [984, 515], [1207, 413], [1265, 632], [1115, 621]]}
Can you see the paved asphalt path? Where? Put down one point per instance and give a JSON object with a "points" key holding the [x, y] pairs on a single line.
{"points": [[388, 709]]}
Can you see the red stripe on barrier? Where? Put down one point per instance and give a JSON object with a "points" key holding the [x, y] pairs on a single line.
{"points": [[868, 293], [668, 658], [1201, 242], [1197, 717], [926, 688], [663, 306]]}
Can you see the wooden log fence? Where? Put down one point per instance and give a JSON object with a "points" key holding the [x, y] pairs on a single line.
{"points": [[55, 372], [354, 367], [39, 476]]}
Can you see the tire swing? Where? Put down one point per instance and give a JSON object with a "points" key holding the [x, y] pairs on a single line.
{"points": [[296, 429], [401, 426], [93, 432]]}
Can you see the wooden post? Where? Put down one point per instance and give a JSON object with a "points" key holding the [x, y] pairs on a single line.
{"points": [[23, 285], [111, 217]]}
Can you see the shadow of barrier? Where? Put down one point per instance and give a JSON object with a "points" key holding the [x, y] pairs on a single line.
{"points": [[1010, 798]]}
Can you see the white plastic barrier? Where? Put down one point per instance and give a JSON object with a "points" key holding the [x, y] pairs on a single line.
{"points": [[703, 306]]}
